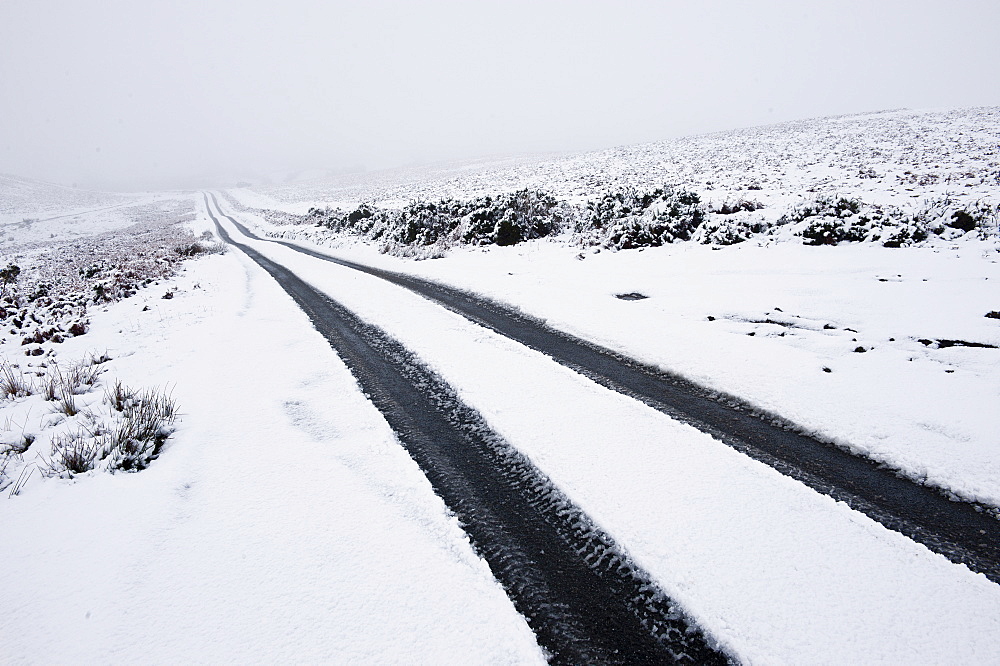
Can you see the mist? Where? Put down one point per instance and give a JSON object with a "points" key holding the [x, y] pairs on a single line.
{"points": [[125, 95]]}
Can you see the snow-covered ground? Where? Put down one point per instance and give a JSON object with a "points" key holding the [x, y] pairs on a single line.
{"points": [[770, 568], [283, 521], [843, 341], [34, 212]]}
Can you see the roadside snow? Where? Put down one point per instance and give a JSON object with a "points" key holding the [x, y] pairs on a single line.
{"points": [[281, 522], [774, 571], [928, 411]]}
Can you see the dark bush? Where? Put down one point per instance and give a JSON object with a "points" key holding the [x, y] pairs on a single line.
{"points": [[962, 220], [511, 218], [629, 219], [739, 206], [506, 219]]}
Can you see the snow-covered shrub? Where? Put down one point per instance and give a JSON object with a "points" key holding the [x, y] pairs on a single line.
{"points": [[738, 206], [829, 220], [627, 218], [8, 276], [511, 218], [505, 219], [901, 231], [729, 229], [946, 217], [200, 246]]}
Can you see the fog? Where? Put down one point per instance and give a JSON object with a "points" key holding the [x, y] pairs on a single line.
{"points": [[181, 93]]}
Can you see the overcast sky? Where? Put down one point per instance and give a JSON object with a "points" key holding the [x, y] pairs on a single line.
{"points": [[150, 93]]}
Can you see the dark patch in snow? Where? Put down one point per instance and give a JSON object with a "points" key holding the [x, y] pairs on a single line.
{"points": [[631, 296], [945, 343]]}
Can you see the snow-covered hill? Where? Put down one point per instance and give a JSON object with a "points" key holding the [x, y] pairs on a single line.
{"points": [[890, 157], [32, 211]]}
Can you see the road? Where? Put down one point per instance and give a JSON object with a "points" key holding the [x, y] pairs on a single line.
{"points": [[681, 506], [586, 602], [961, 531]]}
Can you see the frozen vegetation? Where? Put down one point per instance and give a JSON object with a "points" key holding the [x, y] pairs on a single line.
{"points": [[63, 419]]}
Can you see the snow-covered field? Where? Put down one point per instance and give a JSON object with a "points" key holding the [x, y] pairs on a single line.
{"points": [[283, 521], [849, 342], [37, 212]]}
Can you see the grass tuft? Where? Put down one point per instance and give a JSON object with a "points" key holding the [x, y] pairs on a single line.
{"points": [[14, 384]]}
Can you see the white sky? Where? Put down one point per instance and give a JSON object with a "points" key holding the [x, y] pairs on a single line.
{"points": [[161, 93]]}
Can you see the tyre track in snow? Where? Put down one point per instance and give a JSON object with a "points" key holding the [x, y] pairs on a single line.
{"points": [[961, 531], [583, 598]]}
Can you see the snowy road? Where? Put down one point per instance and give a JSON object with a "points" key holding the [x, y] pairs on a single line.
{"points": [[766, 566], [961, 531], [585, 601]]}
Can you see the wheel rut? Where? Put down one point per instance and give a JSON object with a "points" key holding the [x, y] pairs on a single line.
{"points": [[963, 532], [581, 595]]}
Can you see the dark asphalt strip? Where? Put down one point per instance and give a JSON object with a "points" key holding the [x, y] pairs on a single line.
{"points": [[961, 531], [583, 598]]}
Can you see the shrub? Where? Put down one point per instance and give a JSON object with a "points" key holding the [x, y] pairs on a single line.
{"points": [[833, 230], [826, 206], [511, 218], [831, 220], [8, 276], [739, 206], [626, 218], [944, 217], [506, 219], [730, 231]]}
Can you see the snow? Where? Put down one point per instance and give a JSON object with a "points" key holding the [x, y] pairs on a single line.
{"points": [[929, 412], [282, 519], [35, 212], [926, 411], [770, 568]]}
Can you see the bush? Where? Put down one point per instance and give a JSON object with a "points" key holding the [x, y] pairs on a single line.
{"points": [[506, 219], [730, 231], [831, 220], [739, 206], [826, 206], [511, 218], [627, 219]]}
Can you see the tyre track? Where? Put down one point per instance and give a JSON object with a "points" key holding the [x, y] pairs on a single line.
{"points": [[581, 595], [963, 532]]}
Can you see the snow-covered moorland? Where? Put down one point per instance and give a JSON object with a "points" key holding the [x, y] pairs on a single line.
{"points": [[278, 520], [859, 303], [281, 518]]}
